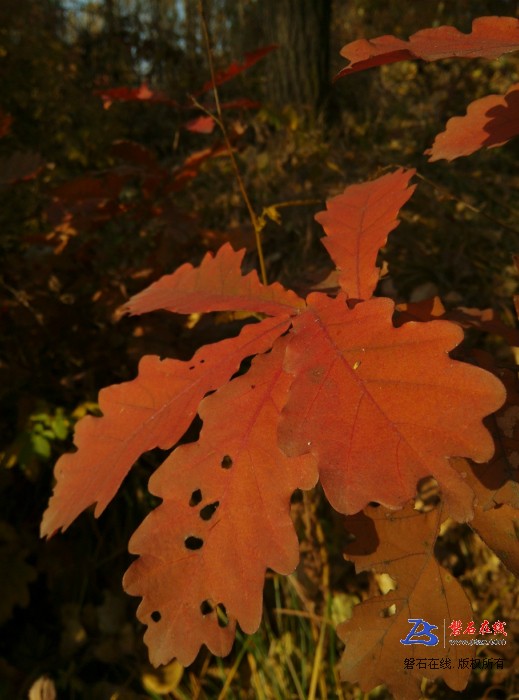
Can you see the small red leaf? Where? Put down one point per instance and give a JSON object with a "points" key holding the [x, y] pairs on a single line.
{"points": [[490, 38], [134, 153], [236, 68], [241, 103], [382, 407], [138, 94], [490, 122], [225, 518], [357, 224], [6, 121], [20, 167], [153, 410], [201, 125], [217, 284]]}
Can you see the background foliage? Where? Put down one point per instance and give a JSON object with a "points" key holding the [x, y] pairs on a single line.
{"points": [[97, 201]]}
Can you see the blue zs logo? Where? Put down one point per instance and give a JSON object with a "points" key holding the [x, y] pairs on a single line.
{"points": [[421, 633]]}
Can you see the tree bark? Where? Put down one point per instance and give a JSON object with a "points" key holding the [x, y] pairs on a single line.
{"points": [[300, 73]]}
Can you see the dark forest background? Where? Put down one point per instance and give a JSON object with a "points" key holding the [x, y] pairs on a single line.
{"points": [[101, 192]]}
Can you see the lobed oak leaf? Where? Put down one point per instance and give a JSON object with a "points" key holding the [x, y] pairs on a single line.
{"points": [[224, 519], [357, 224], [401, 544], [490, 121], [491, 37], [217, 284], [382, 407], [153, 410]]}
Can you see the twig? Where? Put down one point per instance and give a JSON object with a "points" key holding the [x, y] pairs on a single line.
{"points": [[454, 197], [219, 121]]}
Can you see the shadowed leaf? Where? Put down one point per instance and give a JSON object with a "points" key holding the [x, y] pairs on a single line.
{"points": [[489, 122], [491, 37], [401, 544]]}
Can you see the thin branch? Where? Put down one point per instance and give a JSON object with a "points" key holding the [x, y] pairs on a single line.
{"points": [[219, 121]]}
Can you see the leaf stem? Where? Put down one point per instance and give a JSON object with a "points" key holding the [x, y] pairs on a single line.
{"points": [[252, 214]]}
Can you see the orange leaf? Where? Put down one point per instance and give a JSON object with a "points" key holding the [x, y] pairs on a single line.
{"points": [[490, 38], [153, 410], [402, 545], [490, 121], [357, 224], [382, 407], [217, 284], [224, 519]]}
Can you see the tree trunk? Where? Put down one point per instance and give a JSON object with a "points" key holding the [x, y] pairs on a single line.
{"points": [[300, 73]]}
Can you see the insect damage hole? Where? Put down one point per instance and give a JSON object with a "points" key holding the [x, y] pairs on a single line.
{"points": [[208, 511], [193, 542], [221, 614], [226, 462], [196, 498], [206, 608], [155, 616]]}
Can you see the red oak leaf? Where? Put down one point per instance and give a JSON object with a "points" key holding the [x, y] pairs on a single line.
{"points": [[217, 284], [382, 407], [357, 224], [153, 410], [225, 518], [401, 544], [490, 122], [490, 38], [138, 94]]}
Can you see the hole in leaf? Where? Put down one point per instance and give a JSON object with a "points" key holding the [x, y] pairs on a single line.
{"points": [[226, 462], [196, 498], [193, 542], [192, 367], [202, 362], [221, 614], [206, 608], [155, 616], [389, 611], [252, 386], [428, 494], [208, 511]]}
